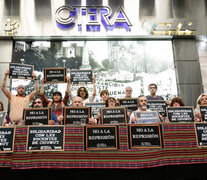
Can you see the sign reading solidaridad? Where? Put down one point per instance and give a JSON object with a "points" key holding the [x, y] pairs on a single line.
{"points": [[180, 114], [201, 134], [81, 76], [45, 138], [7, 139], [20, 71]]}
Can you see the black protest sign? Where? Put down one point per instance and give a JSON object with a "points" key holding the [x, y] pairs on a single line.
{"points": [[203, 110], [81, 76], [159, 106], [129, 103], [101, 137], [95, 108], [2, 117], [115, 115], [146, 117], [20, 71], [76, 115], [201, 134], [7, 139], [145, 136], [55, 75], [45, 138], [37, 116], [180, 114]]}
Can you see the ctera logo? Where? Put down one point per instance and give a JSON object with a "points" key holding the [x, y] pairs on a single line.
{"points": [[91, 18]]}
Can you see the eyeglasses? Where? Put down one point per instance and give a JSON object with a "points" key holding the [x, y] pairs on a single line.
{"points": [[37, 102]]}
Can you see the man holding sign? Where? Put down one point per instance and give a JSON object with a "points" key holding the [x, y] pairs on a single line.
{"points": [[38, 103], [20, 101], [142, 106]]}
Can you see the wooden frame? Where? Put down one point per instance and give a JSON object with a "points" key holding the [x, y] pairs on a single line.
{"points": [[157, 101], [46, 126], [181, 107], [53, 69], [145, 125], [74, 108], [49, 115], [80, 82], [19, 76], [199, 144], [101, 126], [113, 108], [13, 138], [200, 107], [128, 99]]}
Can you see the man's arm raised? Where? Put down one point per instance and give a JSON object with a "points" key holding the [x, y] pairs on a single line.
{"points": [[33, 93], [6, 92]]}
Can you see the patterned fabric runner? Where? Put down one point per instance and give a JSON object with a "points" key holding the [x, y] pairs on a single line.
{"points": [[180, 147]]}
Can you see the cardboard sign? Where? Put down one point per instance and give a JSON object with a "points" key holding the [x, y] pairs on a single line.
{"points": [[37, 116], [81, 76], [129, 103], [180, 114], [101, 137], [95, 108], [55, 75], [145, 136], [7, 139], [20, 71], [2, 117], [115, 115], [203, 110], [201, 134], [45, 138], [158, 106], [76, 115], [146, 117]]}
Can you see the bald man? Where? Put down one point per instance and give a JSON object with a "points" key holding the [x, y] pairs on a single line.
{"points": [[19, 101], [78, 102]]}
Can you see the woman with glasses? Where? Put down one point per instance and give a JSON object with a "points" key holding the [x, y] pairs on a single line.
{"points": [[201, 101], [83, 92]]}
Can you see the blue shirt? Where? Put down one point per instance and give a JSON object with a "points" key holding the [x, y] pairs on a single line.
{"points": [[54, 117]]}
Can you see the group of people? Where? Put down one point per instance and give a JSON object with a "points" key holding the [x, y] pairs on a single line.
{"points": [[19, 101]]}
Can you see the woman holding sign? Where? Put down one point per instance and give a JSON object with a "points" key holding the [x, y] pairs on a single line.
{"points": [[201, 101], [83, 92], [177, 102], [57, 103]]}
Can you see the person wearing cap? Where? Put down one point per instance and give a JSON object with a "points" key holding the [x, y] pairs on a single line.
{"points": [[57, 102], [19, 101]]}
